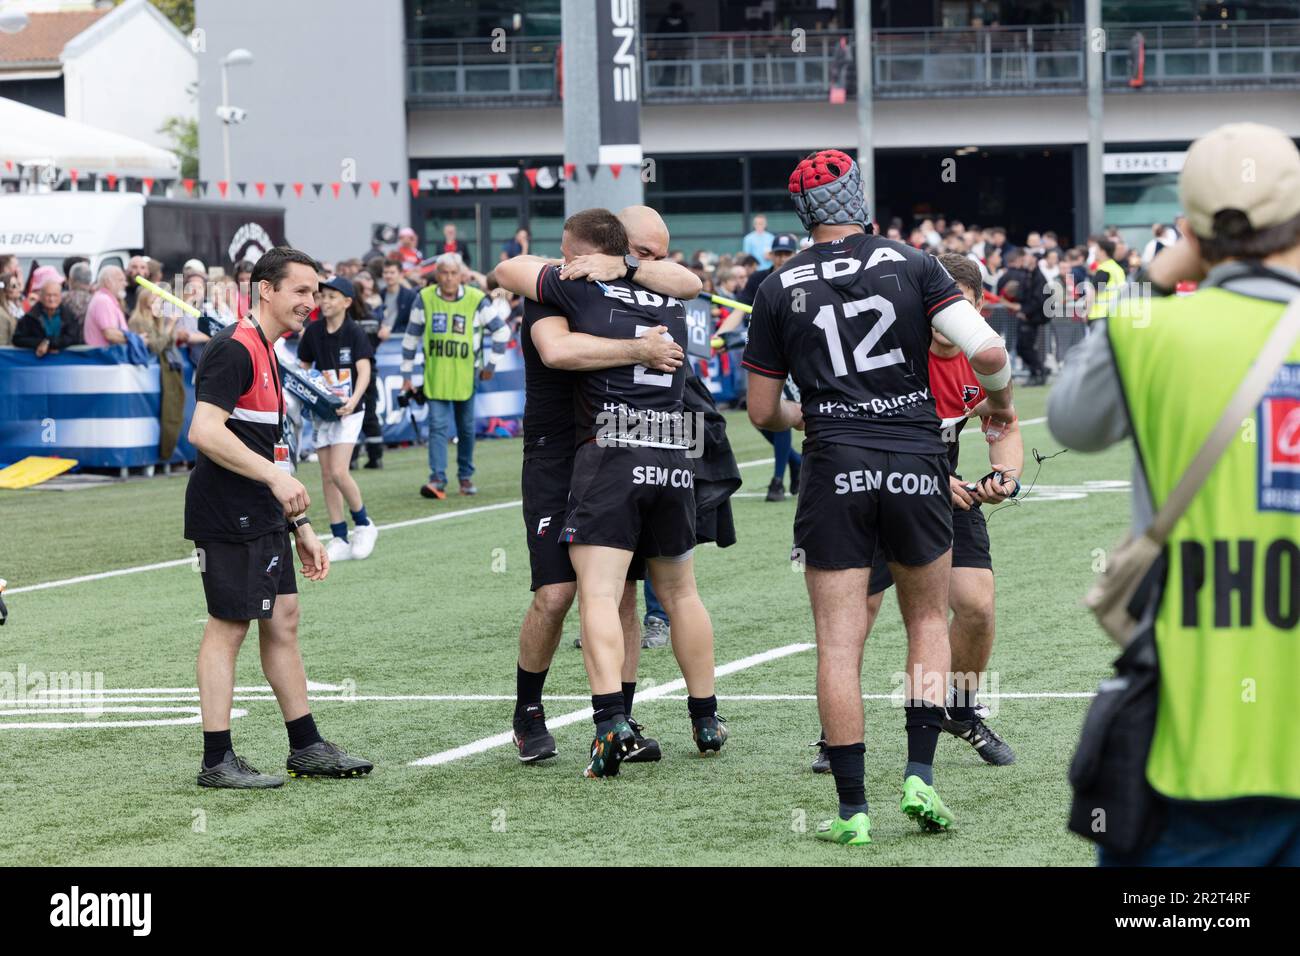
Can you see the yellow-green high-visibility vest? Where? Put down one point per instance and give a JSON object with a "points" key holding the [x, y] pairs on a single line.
{"points": [[1226, 626], [449, 343], [1103, 306]]}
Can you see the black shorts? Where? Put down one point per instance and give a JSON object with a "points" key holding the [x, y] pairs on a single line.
{"points": [[241, 579], [853, 501], [970, 549], [632, 498], [546, 505]]}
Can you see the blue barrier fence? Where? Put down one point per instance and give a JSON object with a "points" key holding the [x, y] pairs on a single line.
{"points": [[95, 406]]}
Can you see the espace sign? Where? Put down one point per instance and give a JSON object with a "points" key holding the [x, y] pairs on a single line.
{"points": [[620, 82]]}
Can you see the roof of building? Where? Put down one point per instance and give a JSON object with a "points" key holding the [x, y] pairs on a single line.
{"points": [[42, 41]]}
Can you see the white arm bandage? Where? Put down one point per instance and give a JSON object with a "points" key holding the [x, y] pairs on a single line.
{"points": [[965, 328]]}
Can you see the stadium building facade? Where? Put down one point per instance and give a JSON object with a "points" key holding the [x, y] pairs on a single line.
{"points": [[732, 92]]}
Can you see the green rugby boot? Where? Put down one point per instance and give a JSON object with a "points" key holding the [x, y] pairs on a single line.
{"points": [[921, 802], [856, 831], [609, 749]]}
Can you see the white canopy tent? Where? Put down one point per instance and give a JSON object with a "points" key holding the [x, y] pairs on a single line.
{"points": [[33, 139]]}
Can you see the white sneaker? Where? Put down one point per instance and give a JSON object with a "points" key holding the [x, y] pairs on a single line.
{"points": [[338, 550], [363, 540]]}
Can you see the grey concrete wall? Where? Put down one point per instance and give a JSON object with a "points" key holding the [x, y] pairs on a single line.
{"points": [[327, 85]]}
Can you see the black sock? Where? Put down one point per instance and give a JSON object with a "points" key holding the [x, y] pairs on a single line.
{"points": [[302, 732], [848, 768], [216, 744], [629, 691], [702, 706], [924, 721], [528, 689], [963, 703], [608, 710]]}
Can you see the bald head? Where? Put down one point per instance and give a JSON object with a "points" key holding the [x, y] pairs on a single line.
{"points": [[647, 235]]}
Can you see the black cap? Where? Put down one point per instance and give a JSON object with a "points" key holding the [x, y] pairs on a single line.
{"points": [[785, 243]]}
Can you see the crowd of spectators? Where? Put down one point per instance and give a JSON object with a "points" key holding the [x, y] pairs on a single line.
{"points": [[1036, 284]]}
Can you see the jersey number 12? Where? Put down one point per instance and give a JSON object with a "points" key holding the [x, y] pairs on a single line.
{"points": [[862, 361]]}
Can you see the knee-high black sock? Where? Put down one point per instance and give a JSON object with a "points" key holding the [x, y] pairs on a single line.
{"points": [[848, 767], [924, 721], [216, 743], [607, 710], [302, 732], [702, 706], [528, 689], [629, 691], [963, 703]]}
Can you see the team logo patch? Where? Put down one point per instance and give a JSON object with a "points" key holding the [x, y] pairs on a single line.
{"points": [[266, 604], [969, 393], [1279, 443], [345, 355], [458, 325], [439, 323], [542, 526], [274, 561]]}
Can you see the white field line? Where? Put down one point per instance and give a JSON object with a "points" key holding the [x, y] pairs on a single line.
{"points": [[662, 690], [161, 565], [192, 716], [74, 697]]}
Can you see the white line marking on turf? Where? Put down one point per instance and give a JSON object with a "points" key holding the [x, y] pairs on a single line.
{"points": [[192, 716], [427, 519], [95, 692], [663, 690], [42, 705]]}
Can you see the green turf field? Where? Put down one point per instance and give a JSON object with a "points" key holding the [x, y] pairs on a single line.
{"points": [[435, 612]]}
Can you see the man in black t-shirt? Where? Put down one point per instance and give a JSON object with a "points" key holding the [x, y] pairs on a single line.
{"points": [[236, 504], [632, 480], [849, 320], [338, 349]]}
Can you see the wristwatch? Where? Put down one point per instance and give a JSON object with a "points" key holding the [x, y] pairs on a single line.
{"points": [[632, 264], [299, 522]]}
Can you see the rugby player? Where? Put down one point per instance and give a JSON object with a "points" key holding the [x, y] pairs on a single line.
{"points": [[549, 447], [236, 504], [849, 319], [632, 484], [957, 393]]}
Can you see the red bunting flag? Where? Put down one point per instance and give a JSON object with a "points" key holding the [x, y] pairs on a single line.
{"points": [[9, 165], [261, 189], [374, 187], [455, 183], [224, 187], [532, 177], [570, 169], [112, 180], [616, 168], [335, 187], [189, 186], [297, 190], [415, 187], [148, 186], [72, 174], [492, 178]]}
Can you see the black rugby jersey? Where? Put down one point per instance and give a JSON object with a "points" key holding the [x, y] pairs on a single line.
{"points": [[849, 322]]}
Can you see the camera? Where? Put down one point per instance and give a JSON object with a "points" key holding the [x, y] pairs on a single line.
{"points": [[406, 398]]}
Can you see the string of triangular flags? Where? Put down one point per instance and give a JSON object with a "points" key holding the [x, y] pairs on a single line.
{"points": [[539, 177]]}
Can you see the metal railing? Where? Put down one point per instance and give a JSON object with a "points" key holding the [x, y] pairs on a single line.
{"points": [[750, 67]]}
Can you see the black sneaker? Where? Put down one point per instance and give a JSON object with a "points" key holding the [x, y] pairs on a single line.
{"points": [[822, 762], [235, 773], [324, 759], [534, 741], [991, 748], [776, 490], [709, 733], [645, 749]]}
